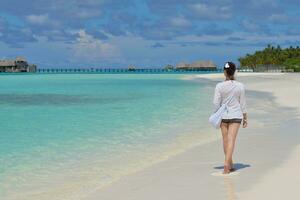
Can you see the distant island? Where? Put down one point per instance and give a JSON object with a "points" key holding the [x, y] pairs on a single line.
{"points": [[286, 59], [19, 64]]}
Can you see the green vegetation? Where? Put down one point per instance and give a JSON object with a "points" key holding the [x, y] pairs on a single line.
{"points": [[289, 58], [293, 63]]}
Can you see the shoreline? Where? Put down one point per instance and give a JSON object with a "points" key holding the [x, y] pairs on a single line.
{"points": [[90, 173], [182, 170], [280, 181]]}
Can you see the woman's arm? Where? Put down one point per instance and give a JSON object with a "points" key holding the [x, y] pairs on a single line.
{"points": [[217, 98], [244, 107]]}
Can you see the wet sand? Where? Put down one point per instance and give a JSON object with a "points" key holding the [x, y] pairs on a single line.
{"points": [[267, 151]]}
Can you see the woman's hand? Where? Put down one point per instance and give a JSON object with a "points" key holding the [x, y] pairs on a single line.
{"points": [[245, 123]]}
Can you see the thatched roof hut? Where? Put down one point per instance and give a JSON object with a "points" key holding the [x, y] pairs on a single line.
{"points": [[7, 63], [131, 68], [203, 64], [17, 65], [169, 67], [182, 65]]}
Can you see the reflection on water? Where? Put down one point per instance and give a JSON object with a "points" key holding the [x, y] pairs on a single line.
{"points": [[229, 181], [229, 186]]}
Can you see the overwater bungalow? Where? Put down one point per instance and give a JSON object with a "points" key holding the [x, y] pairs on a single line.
{"points": [[17, 65], [198, 65]]}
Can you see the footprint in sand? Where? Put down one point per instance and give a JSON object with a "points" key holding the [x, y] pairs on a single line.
{"points": [[220, 173]]}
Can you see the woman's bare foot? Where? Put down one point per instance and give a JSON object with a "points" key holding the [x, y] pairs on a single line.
{"points": [[232, 167], [226, 169]]}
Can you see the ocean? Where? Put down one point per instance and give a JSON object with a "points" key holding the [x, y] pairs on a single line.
{"points": [[63, 136]]}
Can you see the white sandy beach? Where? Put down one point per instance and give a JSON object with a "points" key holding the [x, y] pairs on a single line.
{"points": [[267, 153], [283, 181]]}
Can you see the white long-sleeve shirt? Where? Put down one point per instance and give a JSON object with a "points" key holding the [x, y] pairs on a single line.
{"points": [[234, 92]]}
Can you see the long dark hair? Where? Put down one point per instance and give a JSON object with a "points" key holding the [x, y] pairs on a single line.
{"points": [[230, 68]]}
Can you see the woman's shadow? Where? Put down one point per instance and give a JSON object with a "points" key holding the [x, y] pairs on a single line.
{"points": [[237, 166]]}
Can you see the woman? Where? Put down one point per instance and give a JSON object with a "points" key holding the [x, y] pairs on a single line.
{"points": [[232, 92]]}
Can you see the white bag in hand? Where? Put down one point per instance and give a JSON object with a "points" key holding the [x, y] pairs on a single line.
{"points": [[216, 118]]}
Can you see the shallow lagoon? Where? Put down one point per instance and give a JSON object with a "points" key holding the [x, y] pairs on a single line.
{"points": [[62, 133]]}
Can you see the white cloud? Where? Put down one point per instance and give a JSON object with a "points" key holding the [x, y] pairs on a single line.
{"points": [[92, 49], [249, 25], [85, 14], [211, 12], [279, 18], [180, 21], [38, 19], [42, 20]]}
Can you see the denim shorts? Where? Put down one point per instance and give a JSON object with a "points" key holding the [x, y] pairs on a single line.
{"points": [[235, 120]]}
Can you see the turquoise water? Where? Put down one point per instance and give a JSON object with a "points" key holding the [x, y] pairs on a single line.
{"points": [[65, 135]]}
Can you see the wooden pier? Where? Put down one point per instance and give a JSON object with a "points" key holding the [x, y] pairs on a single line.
{"points": [[121, 70]]}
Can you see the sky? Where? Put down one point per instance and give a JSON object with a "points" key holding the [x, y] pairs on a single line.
{"points": [[144, 33]]}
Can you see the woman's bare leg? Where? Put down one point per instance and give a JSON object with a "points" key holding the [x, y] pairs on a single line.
{"points": [[224, 130], [233, 129]]}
